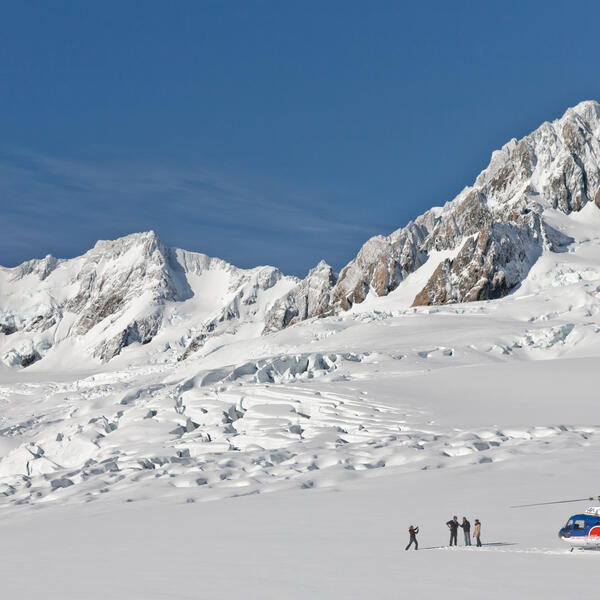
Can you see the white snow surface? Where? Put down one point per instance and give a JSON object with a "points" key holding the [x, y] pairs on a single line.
{"points": [[290, 465]]}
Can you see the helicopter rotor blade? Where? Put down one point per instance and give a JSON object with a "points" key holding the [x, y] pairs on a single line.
{"points": [[556, 502]]}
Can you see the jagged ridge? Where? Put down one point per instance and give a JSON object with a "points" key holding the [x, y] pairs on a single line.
{"points": [[497, 224]]}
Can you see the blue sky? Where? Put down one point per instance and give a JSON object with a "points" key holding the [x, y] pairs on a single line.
{"points": [[266, 132]]}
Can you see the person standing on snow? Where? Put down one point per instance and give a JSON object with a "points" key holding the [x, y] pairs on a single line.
{"points": [[453, 527], [413, 537], [466, 526], [477, 532]]}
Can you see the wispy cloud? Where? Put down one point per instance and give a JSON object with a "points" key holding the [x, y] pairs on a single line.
{"points": [[61, 204]]}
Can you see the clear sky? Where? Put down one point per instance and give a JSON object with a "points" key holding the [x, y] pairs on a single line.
{"points": [[275, 132]]}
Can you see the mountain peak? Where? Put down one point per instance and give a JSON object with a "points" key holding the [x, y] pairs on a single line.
{"points": [[148, 241], [496, 228], [585, 108]]}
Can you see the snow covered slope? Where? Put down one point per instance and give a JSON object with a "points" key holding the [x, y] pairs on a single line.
{"points": [[317, 403]]}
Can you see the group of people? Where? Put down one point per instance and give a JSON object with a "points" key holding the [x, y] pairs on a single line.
{"points": [[453, 526]]}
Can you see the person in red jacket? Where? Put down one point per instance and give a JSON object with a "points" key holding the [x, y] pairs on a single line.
{"points": [[413, 537]]}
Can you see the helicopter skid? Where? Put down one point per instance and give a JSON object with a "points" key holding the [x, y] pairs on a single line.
{"points": [[584, 543]]}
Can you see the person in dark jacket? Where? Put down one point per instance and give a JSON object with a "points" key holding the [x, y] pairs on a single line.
{"points": [[477, 532], [466, 527], [453, 527], [413, 537]]}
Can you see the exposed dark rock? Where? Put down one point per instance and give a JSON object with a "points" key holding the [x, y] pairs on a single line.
{"points": [[195, 345], [29, 359], [142, 331], [487, 266], [41, 322], [63, 482]]}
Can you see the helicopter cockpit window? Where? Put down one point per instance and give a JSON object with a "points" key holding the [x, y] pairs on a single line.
{"points": [[569, 524], [579, 525]]}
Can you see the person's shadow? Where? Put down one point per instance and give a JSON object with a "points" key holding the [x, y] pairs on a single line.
{"points": [[500, 544]]}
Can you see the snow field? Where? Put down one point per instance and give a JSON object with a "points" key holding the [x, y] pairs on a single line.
{"points": [[346, 541]]}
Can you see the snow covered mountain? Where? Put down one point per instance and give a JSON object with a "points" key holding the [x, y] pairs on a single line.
{"points": [[479, 246], [123, 292], [494, 230]]}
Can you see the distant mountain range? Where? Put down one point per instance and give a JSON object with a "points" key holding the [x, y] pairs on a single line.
{"points": [[134, 290]]}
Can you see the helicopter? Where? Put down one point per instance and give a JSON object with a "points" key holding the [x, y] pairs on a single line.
{"points": [[581, 530]]}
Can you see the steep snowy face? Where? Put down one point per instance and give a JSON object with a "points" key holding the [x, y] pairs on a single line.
{"points": [[122, 286], [124, 292], [497, 224], [116, 273], [243, 299], [44, 301]]}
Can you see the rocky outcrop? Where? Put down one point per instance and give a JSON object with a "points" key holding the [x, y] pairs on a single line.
{"points": [[488, 265], [29, 359], [467, 217], [40, 268], [381, 264], [140, 330], [311, 297], [44, 322]]}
